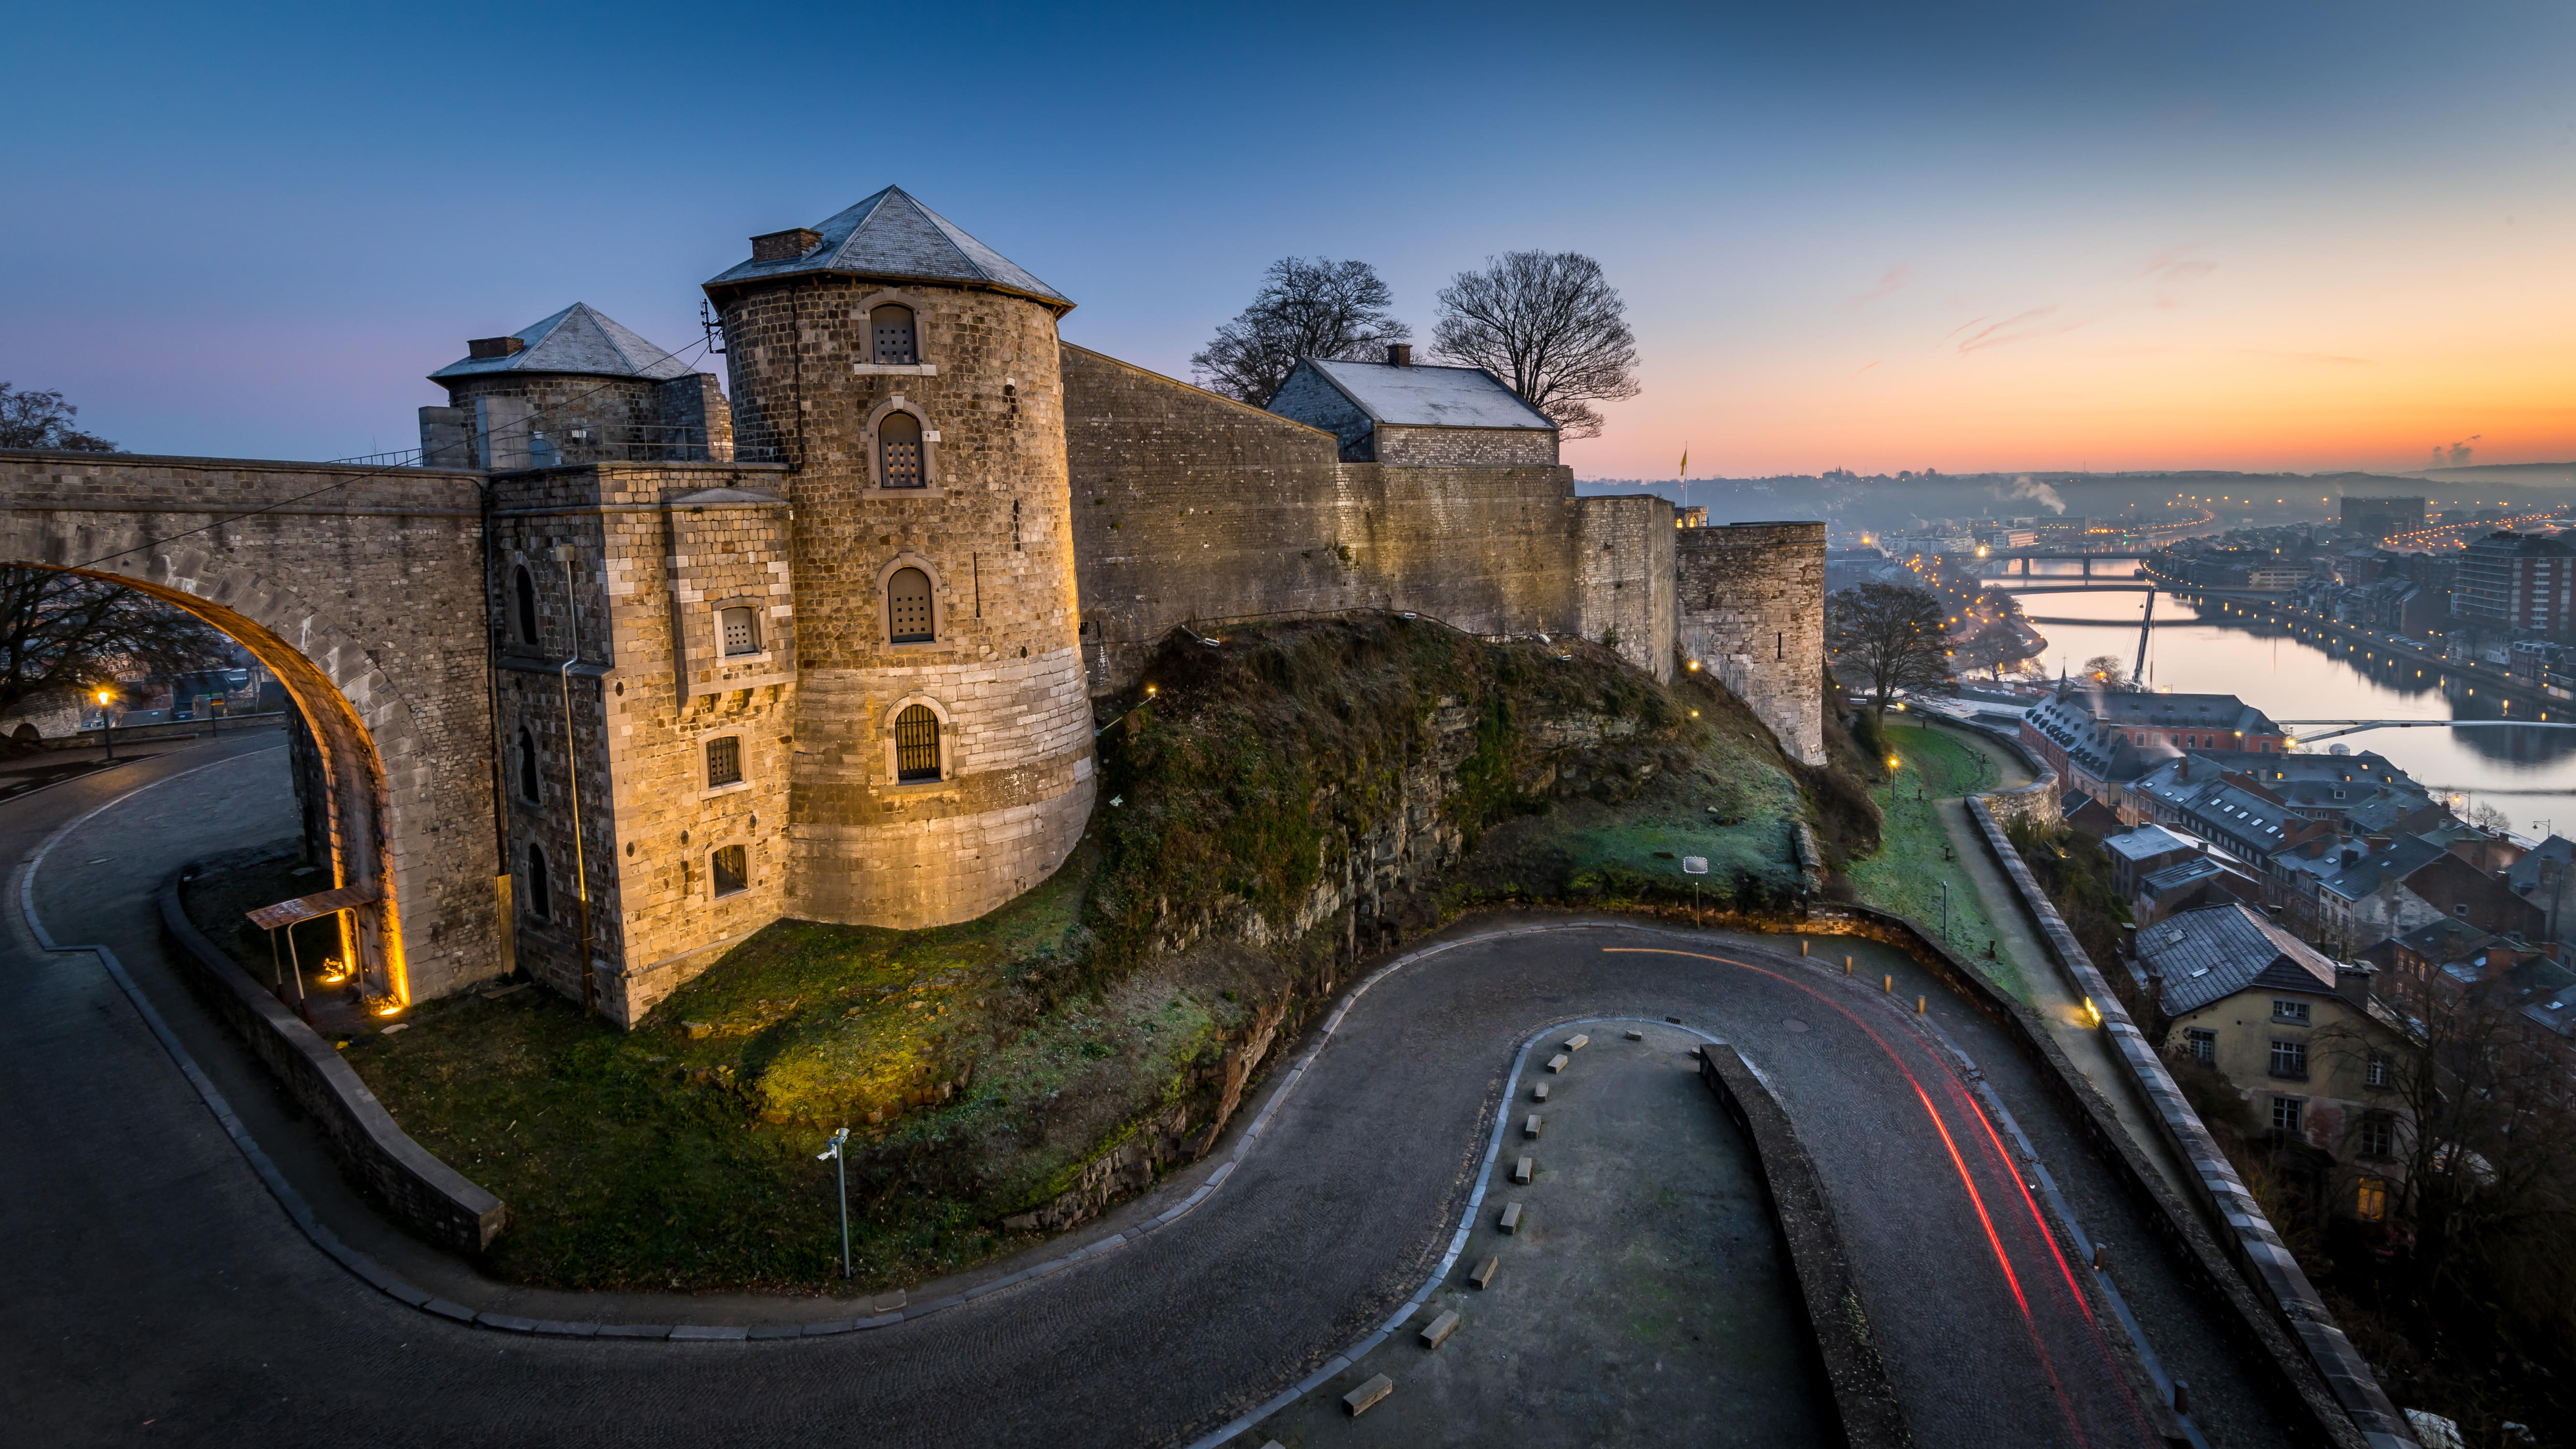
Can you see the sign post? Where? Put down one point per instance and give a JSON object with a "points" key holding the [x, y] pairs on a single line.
{"points": [[1694, 866], [841, 1165]]}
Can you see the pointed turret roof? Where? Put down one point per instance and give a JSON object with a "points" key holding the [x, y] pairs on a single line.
{"points": [[890, 235], [577, 339]]}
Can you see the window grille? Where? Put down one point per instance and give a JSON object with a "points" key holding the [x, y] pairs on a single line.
{"points": [[2380, 1071], [916, 745], [724, 761], [899, 451], [731, 869], [2289, 1114], [893, 326], [2204, 1044], [527, 766], [541, 891], [2290, 1059], [2289, 1011], [741, 631], [908, 607], [527, 591]]}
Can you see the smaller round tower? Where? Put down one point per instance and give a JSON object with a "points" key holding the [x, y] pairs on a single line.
{"points": [[908, 376], [574, 388]]}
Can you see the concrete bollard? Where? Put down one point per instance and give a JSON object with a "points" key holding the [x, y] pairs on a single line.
{"points": [[1530, 1127], [1539, 1092], [1557, 1063], [1847, 963], [1635, 1035], [1510, 1221], [1888, 986], [1364, 1398], [2101, 1257], [1918, 1006], [1439, 1329], [1802, 947], [1521, 1170], [1483, 1277], [1577, 1043]]}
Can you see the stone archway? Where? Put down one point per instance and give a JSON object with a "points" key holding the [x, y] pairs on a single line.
{"points": [[369, 608]]}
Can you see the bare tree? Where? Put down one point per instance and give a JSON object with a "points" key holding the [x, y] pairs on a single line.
{"points": [[1550, 326], [44, 420], [2106, 669], [62, 634], [1890, 634], [1305, 308]]}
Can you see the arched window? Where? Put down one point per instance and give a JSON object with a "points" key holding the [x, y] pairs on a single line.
{"points": [[526, 587], [527, 766], [893, 328], [731, 870], [541, 891], [908, 618], [916, 745], [741, 630], [899, 451]]}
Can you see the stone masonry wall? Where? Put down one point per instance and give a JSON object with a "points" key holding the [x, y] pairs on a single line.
{"points": [[363, 591], [1191, 508], [660, 549], [1751, 608], [1003, 674], [1624, 577], [1465, 447]]}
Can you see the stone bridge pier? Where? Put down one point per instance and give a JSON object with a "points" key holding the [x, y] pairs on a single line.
{"points": [[364, 592]]}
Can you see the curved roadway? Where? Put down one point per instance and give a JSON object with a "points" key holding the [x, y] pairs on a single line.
{"points": [[158, 1292]]}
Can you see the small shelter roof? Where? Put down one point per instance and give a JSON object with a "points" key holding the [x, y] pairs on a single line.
{"points": [[578, 339]]}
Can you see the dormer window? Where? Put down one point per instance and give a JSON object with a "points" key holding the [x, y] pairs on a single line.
{"points": [[740, 627], [892, 328]]}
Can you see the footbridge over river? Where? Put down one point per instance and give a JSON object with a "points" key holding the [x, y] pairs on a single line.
{"points": [[363, 589]]}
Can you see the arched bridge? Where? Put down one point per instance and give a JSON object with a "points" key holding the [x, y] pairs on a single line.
{"points": [[363, 590]]}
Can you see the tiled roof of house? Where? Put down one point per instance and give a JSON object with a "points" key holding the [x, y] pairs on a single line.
{"points": [[2211, 954]]}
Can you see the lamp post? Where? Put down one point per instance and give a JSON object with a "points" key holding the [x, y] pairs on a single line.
{"points": [[107, 724], [841, 1166]]}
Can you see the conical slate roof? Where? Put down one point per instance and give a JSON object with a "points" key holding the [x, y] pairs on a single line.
{"points": [[891, 235], [577, 339]]}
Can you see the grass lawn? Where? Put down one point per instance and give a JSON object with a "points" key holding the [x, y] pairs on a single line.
{"points": [[1914, 861]]}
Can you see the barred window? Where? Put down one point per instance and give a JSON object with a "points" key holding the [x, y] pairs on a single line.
{"points": [[741, 629], [893, 328], [916, 745], [2289, 1114], [2203, 1044], [899, 451], [2379, 1071], [724, 761], [731, 868], [2290, 1059], [908, 618]]}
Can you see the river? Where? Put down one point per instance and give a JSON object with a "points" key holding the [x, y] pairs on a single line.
{"points": [[2530, 774]]}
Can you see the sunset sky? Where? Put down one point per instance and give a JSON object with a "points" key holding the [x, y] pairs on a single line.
{"points": [[1998, 236]]}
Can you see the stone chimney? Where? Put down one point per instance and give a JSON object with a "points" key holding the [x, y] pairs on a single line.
{"points": [[2353, 982], [495, 347], [1399, 354], [783, 246]]}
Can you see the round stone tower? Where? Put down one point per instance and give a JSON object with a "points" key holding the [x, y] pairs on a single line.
{"points": [[907, 375]]}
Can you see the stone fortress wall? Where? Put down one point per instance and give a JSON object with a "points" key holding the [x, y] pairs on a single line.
{"points": [[1751, 606]]}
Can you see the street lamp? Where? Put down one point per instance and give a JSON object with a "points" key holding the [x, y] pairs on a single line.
{"points": [[107, 724], [841, 1165]]}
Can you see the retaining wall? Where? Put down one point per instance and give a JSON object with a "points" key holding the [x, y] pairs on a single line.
{"points": [[1864, 1401], [420, 1191]]}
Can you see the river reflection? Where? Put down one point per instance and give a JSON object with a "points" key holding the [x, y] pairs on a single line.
{"points": [[2202, 648]]}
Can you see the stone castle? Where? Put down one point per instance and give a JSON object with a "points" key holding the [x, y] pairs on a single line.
{"points": [[825, 642]]}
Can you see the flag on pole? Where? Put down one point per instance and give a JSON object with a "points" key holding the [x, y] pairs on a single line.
{"points": [[1685, 468]]}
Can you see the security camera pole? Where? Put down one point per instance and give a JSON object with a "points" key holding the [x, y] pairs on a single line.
{"points": [[841, 1165]]}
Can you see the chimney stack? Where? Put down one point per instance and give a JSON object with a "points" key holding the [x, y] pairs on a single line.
{"points": [[1399, 354], [495, 347], [780, 246], [2354, 982]]}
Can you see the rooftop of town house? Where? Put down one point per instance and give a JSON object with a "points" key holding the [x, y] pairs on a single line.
{"points": [[2210, 954]]}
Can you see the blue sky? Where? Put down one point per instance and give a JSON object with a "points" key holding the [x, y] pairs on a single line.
{"points": [[1872, 236]]}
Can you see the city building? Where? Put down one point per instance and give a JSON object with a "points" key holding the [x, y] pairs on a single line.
{"points": [[2378, 518], [2099, 739], [2517, 581]]}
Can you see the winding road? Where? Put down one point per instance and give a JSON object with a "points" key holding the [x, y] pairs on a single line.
{"points": [[159, 1294]]}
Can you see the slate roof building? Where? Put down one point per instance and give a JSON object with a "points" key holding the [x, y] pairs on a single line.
{"points": [[888, 237], [2101, 739], [2316, 786], [1401, 413], [575, 387], [2298, 1036]]}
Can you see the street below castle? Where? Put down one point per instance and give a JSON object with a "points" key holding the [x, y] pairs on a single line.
{"points": [[162, 1295]]}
